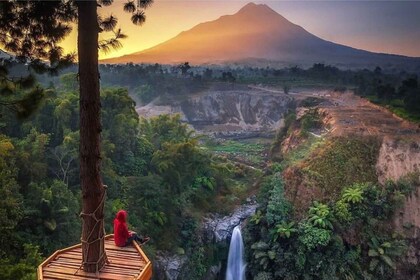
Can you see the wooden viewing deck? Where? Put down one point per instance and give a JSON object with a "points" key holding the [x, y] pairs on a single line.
{"points": [[125, 263]]}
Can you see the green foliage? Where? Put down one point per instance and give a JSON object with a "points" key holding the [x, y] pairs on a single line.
{"points": [[51, 213], [285, 230], [332, 240], [145, 93], [341, 162], [262, 254], [18, 20], [203, 181], [353, 194], [69, 82], [399, 94], [164, 129], [25, 269], [176, 177], [11, 208], [383, 254], [250, 152], [264, 276], [342, 212], [289, 122], [319, 215], [310, 120], [256, 218], [312, 237], [277, 207]]}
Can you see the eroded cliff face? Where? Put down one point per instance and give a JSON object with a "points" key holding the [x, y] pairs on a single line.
{"points": [[229, 112], [399, 158]]}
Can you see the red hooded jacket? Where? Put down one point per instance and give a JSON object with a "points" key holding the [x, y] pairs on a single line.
{"points": [[121, 232]]}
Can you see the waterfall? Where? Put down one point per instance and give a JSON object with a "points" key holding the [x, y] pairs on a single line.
{"points": [[236, 266]]}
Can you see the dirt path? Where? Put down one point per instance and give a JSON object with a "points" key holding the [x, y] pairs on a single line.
{"points": [[348, 114]]}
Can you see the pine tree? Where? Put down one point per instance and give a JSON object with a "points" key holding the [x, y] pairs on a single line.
{"points": [[31, 31]]}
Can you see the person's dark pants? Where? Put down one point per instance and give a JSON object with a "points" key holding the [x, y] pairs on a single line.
{"points": [[134, 237]]}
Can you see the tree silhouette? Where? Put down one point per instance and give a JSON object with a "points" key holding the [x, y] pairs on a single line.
{"points": [[31, 46], [184, 67], [31, 31]]}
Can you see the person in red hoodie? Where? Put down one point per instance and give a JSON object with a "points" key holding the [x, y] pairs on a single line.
{"points": [[122, 236]]}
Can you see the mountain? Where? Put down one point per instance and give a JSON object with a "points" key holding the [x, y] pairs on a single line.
{"points": [[255, 32]]}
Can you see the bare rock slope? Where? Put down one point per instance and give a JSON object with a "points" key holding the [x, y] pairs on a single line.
{"points": [[227, 113]]}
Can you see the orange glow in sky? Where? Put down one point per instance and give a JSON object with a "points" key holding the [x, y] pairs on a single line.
{"points": [[370, 26], [164, 20]]}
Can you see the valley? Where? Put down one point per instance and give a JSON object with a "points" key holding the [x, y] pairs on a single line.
{"points": [[386, 147]]}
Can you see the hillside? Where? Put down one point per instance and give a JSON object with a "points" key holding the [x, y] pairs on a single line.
{"points": [[256, 33], [329, 197]]}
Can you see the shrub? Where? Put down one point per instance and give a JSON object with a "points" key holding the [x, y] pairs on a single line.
{"points": [[312, 237], [278, 207]]}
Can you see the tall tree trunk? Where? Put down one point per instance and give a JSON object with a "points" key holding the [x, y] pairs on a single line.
{"points": [[90, 128]]}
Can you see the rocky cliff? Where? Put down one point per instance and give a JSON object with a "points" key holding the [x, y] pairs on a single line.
{"points": [[242, 112], [399, 158]]}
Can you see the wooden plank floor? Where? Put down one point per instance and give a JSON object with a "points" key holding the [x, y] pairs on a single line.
{"points": [[125, 263]]}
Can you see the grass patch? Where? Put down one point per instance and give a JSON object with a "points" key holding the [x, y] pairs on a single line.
{"points": [[396, 106], [246, 151], [299, 154], [342, 161]]}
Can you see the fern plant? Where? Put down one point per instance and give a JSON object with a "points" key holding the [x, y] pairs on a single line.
{"points": [[319, 215], [285, 230], [353, 195]]}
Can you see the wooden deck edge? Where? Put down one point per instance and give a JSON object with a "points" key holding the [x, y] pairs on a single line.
{"points": [[50, 258], [140, 250], [46, 261], [146, 273]]}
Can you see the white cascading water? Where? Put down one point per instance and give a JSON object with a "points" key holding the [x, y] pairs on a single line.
{"points": [[236, 266]]}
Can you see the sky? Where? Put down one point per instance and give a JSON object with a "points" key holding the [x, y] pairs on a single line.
{"points": [[378, 26]]}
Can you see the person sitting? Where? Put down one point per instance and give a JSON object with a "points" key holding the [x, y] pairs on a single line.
{"points": [[122, 236]]}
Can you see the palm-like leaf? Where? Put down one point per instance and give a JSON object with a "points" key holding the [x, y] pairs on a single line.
{"points": [[353, 195], [319, 214], [120, 35], [106, 2], [114, 43], [138, 17], [144, 4], [109, 23], [381, 254], [130, 7], [285, 230]]}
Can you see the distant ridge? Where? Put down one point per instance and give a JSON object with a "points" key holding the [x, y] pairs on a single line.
{"points": [[256, 32]]}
